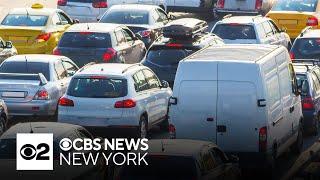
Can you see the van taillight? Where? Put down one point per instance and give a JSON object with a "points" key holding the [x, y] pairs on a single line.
{"points": [[128, 103], [263, 139], [172, 131], [307, 103], [62, 2], [100, 4], [258, 4], [312, 21], [292, 56], [63, 101], [220, 3], [109, 55]]}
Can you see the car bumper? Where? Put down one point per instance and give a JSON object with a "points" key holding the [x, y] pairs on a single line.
{"points": [[232, 11], [39, 48], [32, 108]]}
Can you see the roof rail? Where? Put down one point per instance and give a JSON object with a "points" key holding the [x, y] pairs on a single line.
{"points": [[133, 65], [227, 16], [305, 30], [314, 62], [87, 65]]}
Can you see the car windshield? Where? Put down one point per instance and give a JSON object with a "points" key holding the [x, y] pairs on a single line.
{"points": [[234, 31], [303, 84], [168, 57], [175, 168], [26, 68], [306, 48], [296, 5], [97, 87], [85, 40], [7, 148], [24, 20], [126, 17]]}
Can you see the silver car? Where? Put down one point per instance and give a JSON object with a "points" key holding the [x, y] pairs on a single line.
{"points": [[31, 85]]}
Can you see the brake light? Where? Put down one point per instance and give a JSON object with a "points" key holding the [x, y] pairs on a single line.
{"points": [[62, 2], [43, 37], [145, 33], [312, 21], [258, 4], [128, 103], [109, 55], [263, 139], [307, 103], [220, 3], [85, 33], [174, 45], [100, 4], [42, 94], [234, 24], [56, 51], [63, 101], [172, 131], [292, 56]]}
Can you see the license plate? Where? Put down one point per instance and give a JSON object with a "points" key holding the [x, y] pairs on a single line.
{"points": [[13, 94], [288, 22]]}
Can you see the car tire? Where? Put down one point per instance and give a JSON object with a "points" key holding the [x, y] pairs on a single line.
{"points": [[298, 145], [2, 125], [143, 127]]}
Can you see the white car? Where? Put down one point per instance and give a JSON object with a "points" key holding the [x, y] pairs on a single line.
{"points": [[250, 30], [92, 10], [116, 97], [243, 98]]}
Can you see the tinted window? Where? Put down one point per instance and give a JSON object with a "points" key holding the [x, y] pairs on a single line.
{"points": [[97, 87], [126, 17], [168, 57], [303, 84], [152, 79], [295, 5], [175, 168], [25, 20], [26, 68], [85, 40], [7, 149], [306, 48], [234, 31], [141, 83], [69, 66]]}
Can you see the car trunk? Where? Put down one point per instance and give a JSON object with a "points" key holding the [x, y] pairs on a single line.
{"points": [[240, 4], [20, 36], [18, 90]]}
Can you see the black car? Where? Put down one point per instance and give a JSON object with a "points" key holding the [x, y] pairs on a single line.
{"points": [[181, 160], [101, 43], [177, 43], [145, 20]]}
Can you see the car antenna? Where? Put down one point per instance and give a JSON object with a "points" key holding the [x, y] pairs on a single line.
{"points": [[88, 28], [26, 63], [31, 130], [162, 147]]}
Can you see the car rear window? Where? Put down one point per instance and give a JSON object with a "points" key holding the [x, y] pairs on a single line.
{"points": [[96, 87], [26, 68], [295, 5], [235, 31], [303, 84], [126, 17], [24, 20], [168, 57], [306, 48], [175, 167], [85, 40]]}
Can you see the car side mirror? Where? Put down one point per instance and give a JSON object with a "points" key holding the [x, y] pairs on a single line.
{"points": [[8, 44], [283, 29], [75, 21], [172, 17], [71, 73], [164, 84], [233, 159]]}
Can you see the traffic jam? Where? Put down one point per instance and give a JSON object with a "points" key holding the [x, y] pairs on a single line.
{"points": [[220, 89]]}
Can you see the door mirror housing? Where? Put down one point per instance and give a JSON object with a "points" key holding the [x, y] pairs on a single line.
{"points": [[172, 17], [71, 73], [75, 21], [164, 84], [8, 45]]}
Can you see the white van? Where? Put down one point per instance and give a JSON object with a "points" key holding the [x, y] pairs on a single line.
{"points": [[199, 6], [243, 98]]}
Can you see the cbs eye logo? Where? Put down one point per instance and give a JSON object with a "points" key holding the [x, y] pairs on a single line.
{"points": [[65, 144], [34, 151]]}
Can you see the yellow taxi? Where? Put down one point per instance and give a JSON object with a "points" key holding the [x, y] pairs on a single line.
{"points": [[34, 30], [295, 15]]}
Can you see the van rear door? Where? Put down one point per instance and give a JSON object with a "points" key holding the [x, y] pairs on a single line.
{"points": [[240, 4]]}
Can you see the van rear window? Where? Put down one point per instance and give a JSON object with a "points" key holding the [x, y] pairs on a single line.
{"points": [[97, 87], [235, 31]]}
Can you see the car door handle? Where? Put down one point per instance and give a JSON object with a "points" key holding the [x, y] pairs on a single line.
{"points": [[291, 109]]}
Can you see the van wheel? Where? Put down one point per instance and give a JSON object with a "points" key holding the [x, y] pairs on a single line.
{"points": [[143, 128], [2, 125], [298, 145]]}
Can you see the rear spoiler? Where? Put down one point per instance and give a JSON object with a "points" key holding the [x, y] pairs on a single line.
{"points": [[19, 76], [307, 61]]}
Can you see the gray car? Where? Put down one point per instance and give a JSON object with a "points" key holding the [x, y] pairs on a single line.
{"points": [[31, 85]]}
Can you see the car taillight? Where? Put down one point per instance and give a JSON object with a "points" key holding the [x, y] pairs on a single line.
{"points": [[307, 103], [174, 45], [258, 4], [56, 51], [63, 101], [263, 139], [43, 37], [128, 103], [109, 55], [100, 4], [145, 33], [62, 2], [312, 21], [220, 3], [42, 94], [292, 56], [172, 131]]}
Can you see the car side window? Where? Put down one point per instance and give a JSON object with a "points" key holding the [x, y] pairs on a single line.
{"points": [[141, 83], [260, 31], [64, 18], [61, 72], [316, 83], [156, 17], [293, 78], [128, 35], [69, 67], [56, 19], [120, 37], [152, 79], [274, 26], [267, 28], [162, 15]]}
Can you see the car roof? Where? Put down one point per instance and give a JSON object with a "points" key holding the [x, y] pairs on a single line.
{"points": [[116, 69], [33, 11], [177, 146], [250, 53], [94, 27], [58, 129], [242, 19], [134, 7], [311, 33], [34, 58]]}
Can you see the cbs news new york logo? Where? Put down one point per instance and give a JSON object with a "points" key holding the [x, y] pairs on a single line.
{"points": [[34, 151]]}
